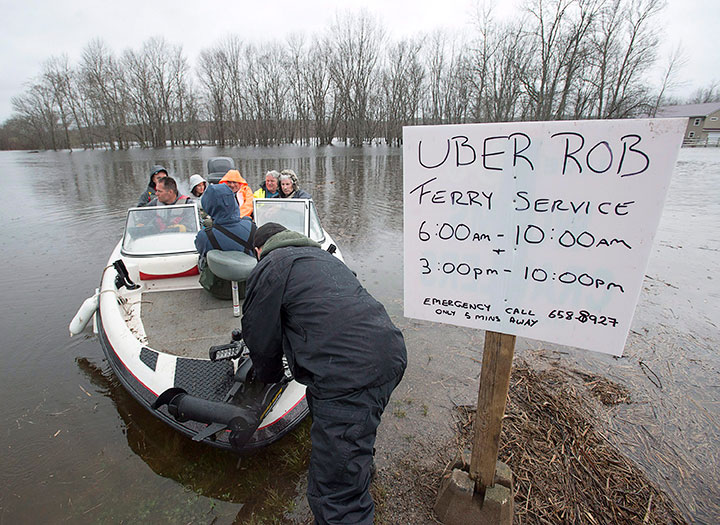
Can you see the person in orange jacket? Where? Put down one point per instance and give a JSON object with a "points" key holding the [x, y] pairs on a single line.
{"points": [[242, 191]]}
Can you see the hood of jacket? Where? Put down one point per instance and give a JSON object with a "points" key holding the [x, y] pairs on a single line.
{"points": [[156, 169], [220, 203], [284, 239], [234, 176]]}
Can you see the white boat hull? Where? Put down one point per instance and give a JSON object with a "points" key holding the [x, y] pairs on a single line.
{"points": [[147, 372]]}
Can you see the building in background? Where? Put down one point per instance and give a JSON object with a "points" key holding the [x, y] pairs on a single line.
{"points": [[703, 125]]}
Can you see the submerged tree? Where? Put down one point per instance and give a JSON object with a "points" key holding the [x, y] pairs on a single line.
{"points": [[560, 59], [353, 69], [37, 108], [103, 89], [402, 81]]}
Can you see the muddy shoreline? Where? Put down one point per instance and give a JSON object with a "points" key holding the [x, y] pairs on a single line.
{"points": [[564, 469]]}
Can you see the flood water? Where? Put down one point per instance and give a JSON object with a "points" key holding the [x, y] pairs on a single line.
{"points": [[77, 448]]}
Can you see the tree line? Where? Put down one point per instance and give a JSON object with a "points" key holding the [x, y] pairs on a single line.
{"points": [[558, 59]]}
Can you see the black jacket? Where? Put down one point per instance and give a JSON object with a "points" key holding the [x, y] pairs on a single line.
{"points": [[305, 303]]}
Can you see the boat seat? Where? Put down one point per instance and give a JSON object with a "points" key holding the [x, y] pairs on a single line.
{"points": [[235, 267], [231, 265]]}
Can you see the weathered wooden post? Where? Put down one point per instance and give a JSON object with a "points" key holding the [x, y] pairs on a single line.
{"points": [[480, 496], [492, 396]]}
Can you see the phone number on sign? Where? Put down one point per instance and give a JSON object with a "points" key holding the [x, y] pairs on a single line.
{"points": [[583, 317]]}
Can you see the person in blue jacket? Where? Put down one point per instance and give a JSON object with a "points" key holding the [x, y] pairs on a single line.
{"points": [[229, 231]]}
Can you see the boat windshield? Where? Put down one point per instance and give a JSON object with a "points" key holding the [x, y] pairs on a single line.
{"points": [[160, 230], [298, 215]]}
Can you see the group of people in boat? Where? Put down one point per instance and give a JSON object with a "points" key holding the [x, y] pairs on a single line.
{"points": [[282, 185], [225, 209]]}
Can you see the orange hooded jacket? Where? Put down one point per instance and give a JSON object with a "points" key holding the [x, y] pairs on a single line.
{"points": [[244, 195]]}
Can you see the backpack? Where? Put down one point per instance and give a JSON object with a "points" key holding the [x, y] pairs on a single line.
{"points": [[221, 288]]}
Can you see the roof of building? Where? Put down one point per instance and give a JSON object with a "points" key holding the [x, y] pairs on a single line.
{"points": [[688, 110]]}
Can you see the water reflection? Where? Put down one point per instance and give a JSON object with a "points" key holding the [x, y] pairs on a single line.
{"points": [[249, 481]]}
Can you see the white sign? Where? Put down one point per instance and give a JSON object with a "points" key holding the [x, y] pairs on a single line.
{"points": [[538, 229]]}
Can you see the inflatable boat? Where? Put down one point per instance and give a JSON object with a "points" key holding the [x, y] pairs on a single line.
{"points": [[177, 349]]}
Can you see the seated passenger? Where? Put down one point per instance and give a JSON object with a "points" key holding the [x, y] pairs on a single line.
{"points": [[228, 232], [157, 173], [167, 195], [242, 191], [269, 189], [289, 186], [198, 185], [166, 191]]}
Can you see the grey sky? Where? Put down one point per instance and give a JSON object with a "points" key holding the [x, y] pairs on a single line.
{"points": [[33, 31]]}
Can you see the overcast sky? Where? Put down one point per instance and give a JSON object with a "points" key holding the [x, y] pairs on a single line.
{"points": [[31, 31]]}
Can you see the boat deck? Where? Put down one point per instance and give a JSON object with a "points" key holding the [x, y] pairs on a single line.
{"points": [[187, 323]]}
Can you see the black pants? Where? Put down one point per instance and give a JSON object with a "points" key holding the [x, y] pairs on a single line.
{"points": [[343, 435]]}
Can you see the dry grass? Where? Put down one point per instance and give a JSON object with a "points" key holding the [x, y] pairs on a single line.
{"points": [[563, 468]]}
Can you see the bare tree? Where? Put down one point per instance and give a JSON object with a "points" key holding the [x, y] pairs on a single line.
{"points": [[220, 74], [448, 87], [298, 111], [103, 92], [710, 93], [675, 62], [353, 66], [628, 44], [236, 64], [37, 108], [497, 60], [59, 77], [17, 133], [437, 69], [561, 59], [560, 30], [506, 99], [179, 96], [155, 80], [213, 79], [266, 91], [402, 88], [325, 104]]}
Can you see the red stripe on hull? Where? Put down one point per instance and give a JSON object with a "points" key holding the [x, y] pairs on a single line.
{"points": [[126, 366], [284, 414], [189, 273]]}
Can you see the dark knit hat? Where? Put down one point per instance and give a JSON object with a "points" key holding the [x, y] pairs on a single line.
{"points": [[266, 231]]}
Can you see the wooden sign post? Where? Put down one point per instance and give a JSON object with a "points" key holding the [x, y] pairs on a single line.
{"points": [[476, 494], [492, 396]]}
